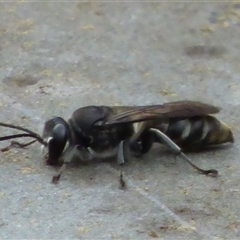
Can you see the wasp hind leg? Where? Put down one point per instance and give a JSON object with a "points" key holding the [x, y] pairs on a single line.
{"points": [[166, 140]]}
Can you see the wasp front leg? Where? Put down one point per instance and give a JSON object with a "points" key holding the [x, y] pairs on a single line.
{"points": [[72, 151]]}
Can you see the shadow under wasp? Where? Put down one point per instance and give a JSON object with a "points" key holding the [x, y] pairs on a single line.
{"points": [[97, 130]]}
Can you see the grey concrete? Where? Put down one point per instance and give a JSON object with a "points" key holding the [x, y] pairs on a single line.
{"points": [[57, 57]]}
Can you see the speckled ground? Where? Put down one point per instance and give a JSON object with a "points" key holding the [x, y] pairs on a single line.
{"points": [[57, 57]]}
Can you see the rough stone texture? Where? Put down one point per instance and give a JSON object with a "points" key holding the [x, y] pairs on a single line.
{"points": [[57, 57]]}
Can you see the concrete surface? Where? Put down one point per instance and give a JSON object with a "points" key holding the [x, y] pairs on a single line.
{"points": [[57, 57]]}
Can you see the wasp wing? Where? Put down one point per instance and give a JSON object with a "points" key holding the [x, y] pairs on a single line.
{"points": [[180, 109]]}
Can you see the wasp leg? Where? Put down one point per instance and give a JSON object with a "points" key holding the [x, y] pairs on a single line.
{"points": [[121, 160], [147, 142], [120, 153], [142, 145], [80, 152], [142, 140], [165, 139]]}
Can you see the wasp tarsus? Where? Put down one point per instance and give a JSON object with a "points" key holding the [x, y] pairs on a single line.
{"points": [[122, 183], [55, 179]]}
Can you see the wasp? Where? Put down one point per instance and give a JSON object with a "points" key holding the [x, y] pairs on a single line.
{"points": [[97, 130]]}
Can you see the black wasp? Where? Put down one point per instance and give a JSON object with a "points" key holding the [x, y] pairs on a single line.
{"points": [[182, 125]]}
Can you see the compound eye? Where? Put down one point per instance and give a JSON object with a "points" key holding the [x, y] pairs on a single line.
{"points": [[53, 126], [59, 133], [56, 144]]}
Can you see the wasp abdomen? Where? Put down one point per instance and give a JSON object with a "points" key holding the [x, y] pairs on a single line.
{"points": [[219, 132], [196, 132]]}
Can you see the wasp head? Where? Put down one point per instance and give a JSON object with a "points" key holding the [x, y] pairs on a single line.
{"points": [[56, 132]]}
